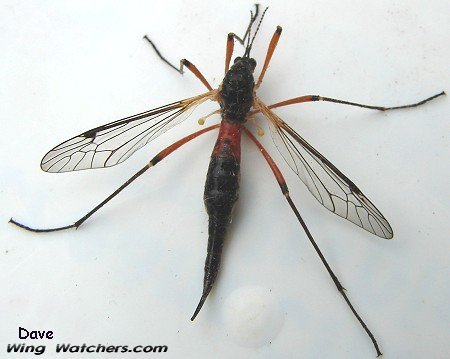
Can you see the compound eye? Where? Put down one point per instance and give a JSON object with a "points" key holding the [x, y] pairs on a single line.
{"points": [[237, 59], [252, 63]]}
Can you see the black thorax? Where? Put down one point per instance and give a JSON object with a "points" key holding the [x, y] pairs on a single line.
{"points": [[236, 94]]}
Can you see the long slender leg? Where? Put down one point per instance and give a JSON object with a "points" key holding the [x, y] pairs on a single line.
{"points": [[284, 189], [161, 155], [183, 63], [272, 45], [179, 70], [312, 98]]}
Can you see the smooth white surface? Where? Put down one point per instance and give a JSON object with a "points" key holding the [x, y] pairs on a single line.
{"points": [[253, 316], [133, 274]]}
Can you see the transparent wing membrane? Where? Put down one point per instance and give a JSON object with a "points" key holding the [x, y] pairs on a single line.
{"points": [[113, 143], [326, 183]]}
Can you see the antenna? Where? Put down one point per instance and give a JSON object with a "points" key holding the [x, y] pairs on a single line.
{"points": [[250, 43]]}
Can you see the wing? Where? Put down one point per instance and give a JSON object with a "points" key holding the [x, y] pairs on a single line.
{"points": [[114, 142], [326, 183]]}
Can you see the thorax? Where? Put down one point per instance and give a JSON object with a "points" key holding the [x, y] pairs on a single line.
{"points": [[236, 93]]}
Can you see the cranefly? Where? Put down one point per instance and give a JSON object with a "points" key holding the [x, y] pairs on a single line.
{"points": [[113, 143]]}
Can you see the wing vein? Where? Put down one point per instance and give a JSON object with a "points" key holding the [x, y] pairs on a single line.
{"points": [[326, 183]]}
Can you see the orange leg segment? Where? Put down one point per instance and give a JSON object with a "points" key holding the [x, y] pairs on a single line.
{"points": [[229, 52], [191, 67], [270, 51]]}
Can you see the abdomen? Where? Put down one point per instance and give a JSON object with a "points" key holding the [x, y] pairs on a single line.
{"points": [[221, 193]]}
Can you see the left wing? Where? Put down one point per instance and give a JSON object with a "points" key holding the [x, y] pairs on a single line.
{"points": [[113, 143]]}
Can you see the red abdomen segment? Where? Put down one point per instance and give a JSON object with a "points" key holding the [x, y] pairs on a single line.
{"points": [[221, 193]]}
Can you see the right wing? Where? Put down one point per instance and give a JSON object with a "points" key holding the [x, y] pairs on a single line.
{"points": [[328, 185]]}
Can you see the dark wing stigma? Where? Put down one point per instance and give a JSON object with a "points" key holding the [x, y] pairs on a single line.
{"points": [[113, 143]]}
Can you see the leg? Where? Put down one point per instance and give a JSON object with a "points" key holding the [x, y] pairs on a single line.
{"points": [[191, 67], [311, 98], [270, 50], [161, 155], [284, 189], [229, 51]]}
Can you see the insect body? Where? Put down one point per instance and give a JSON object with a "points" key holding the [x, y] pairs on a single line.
{"points": [[113, 143], [222, 180]]}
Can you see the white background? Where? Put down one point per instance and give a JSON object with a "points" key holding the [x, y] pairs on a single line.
{"points": [[133, 273]]}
